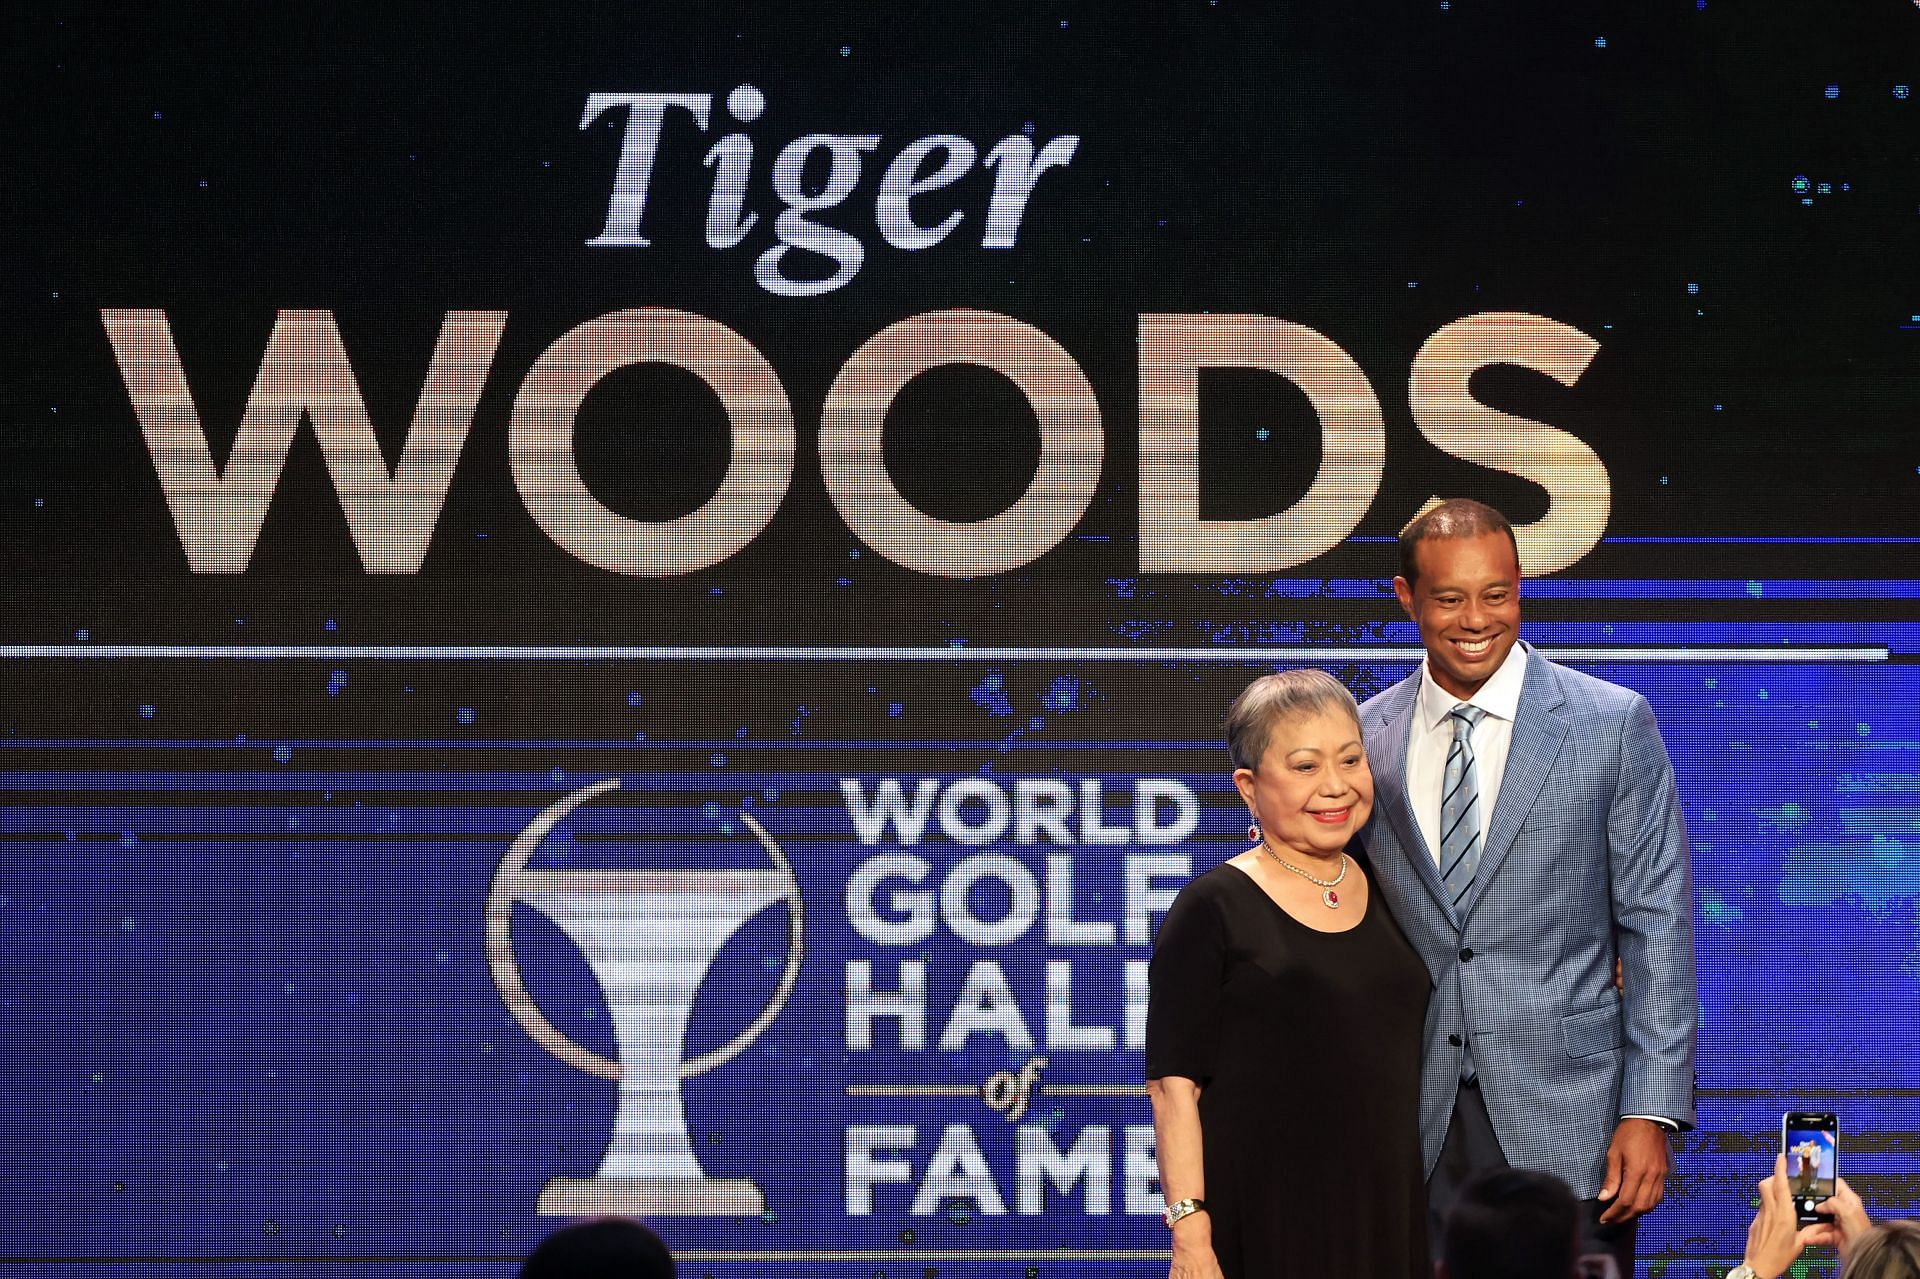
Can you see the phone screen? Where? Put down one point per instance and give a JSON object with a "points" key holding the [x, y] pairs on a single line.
{"points": [[1810, 1143]]}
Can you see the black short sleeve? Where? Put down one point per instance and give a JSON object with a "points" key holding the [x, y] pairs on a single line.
{"points": [[1184, 983]]}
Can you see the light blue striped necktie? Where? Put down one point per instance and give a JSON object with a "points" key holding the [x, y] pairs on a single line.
{"points": [[1460, 807]]}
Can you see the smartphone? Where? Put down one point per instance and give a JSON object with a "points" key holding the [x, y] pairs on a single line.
{"points": [[1811, 1142]]}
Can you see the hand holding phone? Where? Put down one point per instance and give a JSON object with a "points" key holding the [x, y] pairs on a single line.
{"points": [[1810, 1140], [1776, 1239]]}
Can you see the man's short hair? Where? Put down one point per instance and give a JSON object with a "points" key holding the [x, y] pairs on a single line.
{"points": [[603, 1248], [1455, 517], [1513, 1223]]}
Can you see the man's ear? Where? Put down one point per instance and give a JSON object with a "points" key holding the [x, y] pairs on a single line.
{"points": [[1403, 591]]}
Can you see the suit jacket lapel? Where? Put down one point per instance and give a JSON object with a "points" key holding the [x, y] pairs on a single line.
{"points": [[1538, 732], [1390, 773]]}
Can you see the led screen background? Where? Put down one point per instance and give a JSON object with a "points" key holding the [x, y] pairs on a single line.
{"points": [[255, 820]]}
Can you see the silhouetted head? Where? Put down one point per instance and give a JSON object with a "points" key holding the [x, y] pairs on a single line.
{"points": [[604, 1248], [1512, 1224]]}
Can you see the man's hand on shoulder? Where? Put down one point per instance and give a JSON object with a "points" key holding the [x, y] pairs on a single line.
{"points": [[1638, 1159]]}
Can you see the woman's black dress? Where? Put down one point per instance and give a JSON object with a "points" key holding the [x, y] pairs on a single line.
{"points": [[1306, 1046]]}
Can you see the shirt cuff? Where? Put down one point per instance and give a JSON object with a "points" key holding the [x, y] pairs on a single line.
{"points": [[1669, 1124]]}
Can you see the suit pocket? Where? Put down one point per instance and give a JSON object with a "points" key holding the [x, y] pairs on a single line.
{"points": [[1596, 1030], [1552, 819]]}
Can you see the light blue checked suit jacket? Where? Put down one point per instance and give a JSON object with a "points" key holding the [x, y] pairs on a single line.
{"points": [[1587, 851]]}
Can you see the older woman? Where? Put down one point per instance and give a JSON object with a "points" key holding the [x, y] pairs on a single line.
{"points": [[1284, 1021]]}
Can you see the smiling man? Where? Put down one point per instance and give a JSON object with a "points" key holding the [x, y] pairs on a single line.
{"points": [[1527, 834]]}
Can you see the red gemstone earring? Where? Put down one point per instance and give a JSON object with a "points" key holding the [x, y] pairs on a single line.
{"points": [[1253, 831]]}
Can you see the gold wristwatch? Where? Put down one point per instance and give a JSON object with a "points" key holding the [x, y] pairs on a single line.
{"points": [[1182, 1209], [1743, 1271]]}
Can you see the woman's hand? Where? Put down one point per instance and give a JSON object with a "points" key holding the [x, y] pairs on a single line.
{"points": [[1776, 1237], [1849, 1219], [1193, 1248]]}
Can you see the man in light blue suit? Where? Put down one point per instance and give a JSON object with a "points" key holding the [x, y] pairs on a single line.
{"points": [[1528, 835]]}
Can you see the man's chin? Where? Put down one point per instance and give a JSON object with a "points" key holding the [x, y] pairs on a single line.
{"points": [[1469, 674]]}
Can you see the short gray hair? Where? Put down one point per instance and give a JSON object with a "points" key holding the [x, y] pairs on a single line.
{"points": [[1281, 696]]}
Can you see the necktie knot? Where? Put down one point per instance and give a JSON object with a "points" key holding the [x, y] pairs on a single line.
{"points": [[1464, 717]]}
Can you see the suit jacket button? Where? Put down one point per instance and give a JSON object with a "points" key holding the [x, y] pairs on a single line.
{"points": [[1466, 954], [1454, 1040]]}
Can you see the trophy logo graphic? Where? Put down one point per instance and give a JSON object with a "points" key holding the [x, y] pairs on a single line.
{"points": [[649, 937]]}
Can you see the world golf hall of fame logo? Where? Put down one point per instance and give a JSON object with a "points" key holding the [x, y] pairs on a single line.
{"points": [[649, 937]]}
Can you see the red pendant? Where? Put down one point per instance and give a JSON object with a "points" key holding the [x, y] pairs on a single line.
{"points": [[1331, 898]]}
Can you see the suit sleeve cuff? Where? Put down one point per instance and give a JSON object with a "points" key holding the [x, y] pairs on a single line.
{"points": [[1669, 1124]]}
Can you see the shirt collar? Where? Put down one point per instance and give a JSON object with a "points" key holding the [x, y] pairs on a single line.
{"points": [[1499, 696]]}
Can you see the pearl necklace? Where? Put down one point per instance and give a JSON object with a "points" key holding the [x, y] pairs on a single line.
{"points": [[1327, 895]]}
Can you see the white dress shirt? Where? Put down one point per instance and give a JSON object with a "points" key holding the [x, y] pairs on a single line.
{"points": [[1430, 737]]}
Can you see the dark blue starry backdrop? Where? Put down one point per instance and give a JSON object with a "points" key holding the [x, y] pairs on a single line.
{"points": [[626, 608]]}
